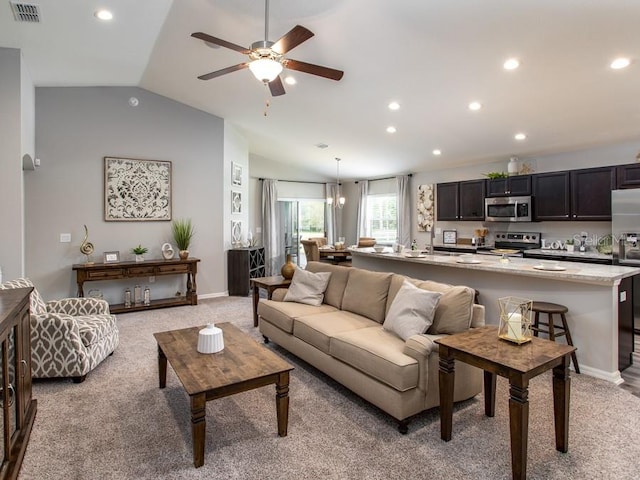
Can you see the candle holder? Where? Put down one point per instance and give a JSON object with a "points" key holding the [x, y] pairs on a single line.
{"points": [[515, 319]]}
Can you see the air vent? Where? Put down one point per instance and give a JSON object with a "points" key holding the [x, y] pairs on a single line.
{"points": [[25, 12]]}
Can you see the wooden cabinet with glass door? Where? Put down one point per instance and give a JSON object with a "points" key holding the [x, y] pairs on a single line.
{"points": [[18, 408]]}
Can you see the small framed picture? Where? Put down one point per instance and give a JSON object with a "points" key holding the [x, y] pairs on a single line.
{"points": [[111, 257], [236, 174], [450, 236], [236, 202]]}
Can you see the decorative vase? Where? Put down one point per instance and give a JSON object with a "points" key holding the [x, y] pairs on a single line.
{"points": [[167, 251], [183, 254], [288, 268], [570, 248], [139, 258]]}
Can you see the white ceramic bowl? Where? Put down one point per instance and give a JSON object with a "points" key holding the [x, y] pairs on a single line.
{"points": [[413, 253], [379, 249], [466, 258]]}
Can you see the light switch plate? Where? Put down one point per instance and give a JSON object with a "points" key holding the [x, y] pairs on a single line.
{"points": [[65, 238]]}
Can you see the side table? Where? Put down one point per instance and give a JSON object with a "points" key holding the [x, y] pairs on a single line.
{"points": [[482, 348], [269, 284]]}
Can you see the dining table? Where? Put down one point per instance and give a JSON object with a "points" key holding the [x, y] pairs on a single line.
{"points": [[336, 255]]}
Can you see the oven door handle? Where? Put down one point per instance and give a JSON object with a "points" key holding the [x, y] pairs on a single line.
{"points": [[515, 209]]}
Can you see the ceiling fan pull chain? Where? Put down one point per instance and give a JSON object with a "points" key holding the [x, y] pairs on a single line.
{"points": [[267, 103]]}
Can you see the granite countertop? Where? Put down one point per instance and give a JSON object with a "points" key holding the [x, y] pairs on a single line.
{"points": [[575, 254], [568, 271]]}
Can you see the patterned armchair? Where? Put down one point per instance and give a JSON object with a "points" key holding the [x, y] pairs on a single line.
{"points": [[69, 337]]}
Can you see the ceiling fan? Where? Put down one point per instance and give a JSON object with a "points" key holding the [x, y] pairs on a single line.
{"points": [[267, 59]]}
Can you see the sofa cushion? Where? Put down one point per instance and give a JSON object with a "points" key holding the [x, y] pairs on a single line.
{"points": [[396, 283], [412, 311], [337, 283], [281, 314], [94, 328], [366, 293], [317, 329], [307, 287], [379, 354], [454, 311]]}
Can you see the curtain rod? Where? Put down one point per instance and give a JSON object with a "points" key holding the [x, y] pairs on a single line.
{"points": [[295, 181], [386, 178]]}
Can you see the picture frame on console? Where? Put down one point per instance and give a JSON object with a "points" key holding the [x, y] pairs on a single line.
{"points": [[111, 257]]}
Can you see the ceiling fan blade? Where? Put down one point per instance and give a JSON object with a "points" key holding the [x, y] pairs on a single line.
{"points": [[220, 42], [292, 39], [276, 87], [217, 73], [326, 72]]}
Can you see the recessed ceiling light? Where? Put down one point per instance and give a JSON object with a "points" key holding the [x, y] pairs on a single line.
{"points": [[290, 81], [394, 106], [104, 14], [520, 136], [511, 64], [619, 63], [475, 106], [437, 152], [391, 129]]}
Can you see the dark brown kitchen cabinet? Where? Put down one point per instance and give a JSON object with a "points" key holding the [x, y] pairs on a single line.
{"points": [[628, 176], [460, 200], [591, 193], [447, 204], [552, 198], [471, 199], [515, 186]]}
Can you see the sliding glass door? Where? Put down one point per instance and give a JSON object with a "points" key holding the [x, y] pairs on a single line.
{"points": [[300, 219]]}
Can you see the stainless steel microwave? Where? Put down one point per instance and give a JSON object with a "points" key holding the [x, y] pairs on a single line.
{"points": [[508, 209]]}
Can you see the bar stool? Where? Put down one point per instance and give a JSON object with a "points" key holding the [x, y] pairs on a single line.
{"points": [[552, 329]]}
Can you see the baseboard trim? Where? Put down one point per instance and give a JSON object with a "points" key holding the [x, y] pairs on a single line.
{"points": [[613, 377], [213, 295]]}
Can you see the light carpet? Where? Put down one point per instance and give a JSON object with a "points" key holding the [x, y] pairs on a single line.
{"points": [[119, 425]]}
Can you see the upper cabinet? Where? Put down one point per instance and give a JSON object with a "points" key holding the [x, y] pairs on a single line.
{"points": [[447, 206], [583, 194], [591, 193], [515, 186], [460, 200], [552, 200], [628, 176]]}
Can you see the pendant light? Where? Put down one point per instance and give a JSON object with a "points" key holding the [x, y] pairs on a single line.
{"points": [[338, 200]]}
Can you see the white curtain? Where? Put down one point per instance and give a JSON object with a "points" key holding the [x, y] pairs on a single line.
{"points": [[404, 209], [363, 192], [331, 217], [273, 252]]}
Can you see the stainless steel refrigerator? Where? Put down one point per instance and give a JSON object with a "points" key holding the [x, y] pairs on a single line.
{"points": [[625, 231]]}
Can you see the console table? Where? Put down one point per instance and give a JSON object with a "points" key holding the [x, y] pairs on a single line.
{"points": [[148, 268]]}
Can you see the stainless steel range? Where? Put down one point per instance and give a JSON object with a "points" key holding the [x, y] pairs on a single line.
{"points": [[512, 243]]}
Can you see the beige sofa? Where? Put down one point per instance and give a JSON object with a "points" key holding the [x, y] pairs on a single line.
{"points": [[344, 338]]}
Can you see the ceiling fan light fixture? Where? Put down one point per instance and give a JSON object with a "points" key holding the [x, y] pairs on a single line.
{"points": [[265, 69]]}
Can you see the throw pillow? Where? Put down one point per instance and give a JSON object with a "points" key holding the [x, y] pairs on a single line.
{"points": [[307, 287], [411, 311]]}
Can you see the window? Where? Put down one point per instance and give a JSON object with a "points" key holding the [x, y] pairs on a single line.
{"points": [[382, 218]]}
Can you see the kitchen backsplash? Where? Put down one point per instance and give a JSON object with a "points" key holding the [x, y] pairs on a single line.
{"points": [[551, 231]]}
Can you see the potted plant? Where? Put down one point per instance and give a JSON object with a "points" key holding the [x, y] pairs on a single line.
{"points": [[139, 251], [569, 245], [182, 234]]}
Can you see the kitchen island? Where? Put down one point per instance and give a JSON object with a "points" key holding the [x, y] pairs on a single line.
{"points": [[595, 295]]}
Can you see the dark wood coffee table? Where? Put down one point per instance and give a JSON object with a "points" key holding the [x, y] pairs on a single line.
{"points": [[482, 348], [243, 365]]}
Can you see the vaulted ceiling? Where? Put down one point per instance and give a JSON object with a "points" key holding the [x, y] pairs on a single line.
{"points": [[432, 57]]}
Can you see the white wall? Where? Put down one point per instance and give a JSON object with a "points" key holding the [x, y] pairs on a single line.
{"points": [[75, 129]]}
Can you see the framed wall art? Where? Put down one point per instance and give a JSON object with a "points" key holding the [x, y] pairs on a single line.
{"points": [[236, 174], [236, 233], [136, 190], [236, 202]]}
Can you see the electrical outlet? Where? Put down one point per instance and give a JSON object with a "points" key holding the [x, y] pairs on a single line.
{"points": [[623, 296], [65, 238], [152, 279]]}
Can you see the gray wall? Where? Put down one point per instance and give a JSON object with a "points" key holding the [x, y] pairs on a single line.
{"points": [[16, 138], [76, 128]]}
